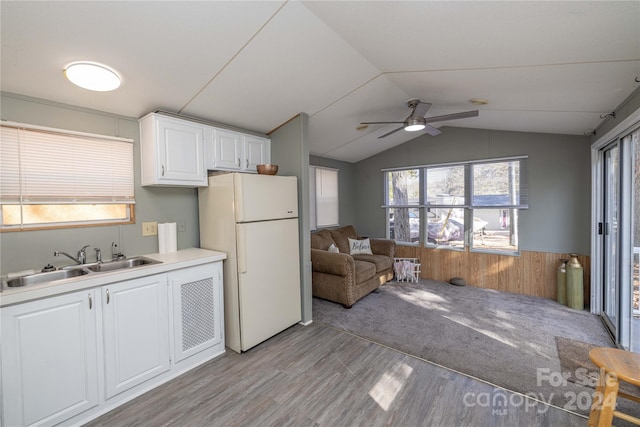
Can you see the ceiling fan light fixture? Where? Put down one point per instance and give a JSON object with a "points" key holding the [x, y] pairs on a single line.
{"points": [[92, 76], [414, 124]]}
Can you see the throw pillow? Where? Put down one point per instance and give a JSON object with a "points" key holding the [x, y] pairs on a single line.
{"points": [[333, 248], [360, 247]]}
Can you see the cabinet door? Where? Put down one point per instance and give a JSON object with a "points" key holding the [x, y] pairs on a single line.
{"points": [[257, 152], [228, 150], [136, 332], [49, 359], [180, 152], [197, 308]]}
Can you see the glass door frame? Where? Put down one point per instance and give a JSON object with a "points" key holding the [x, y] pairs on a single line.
{"points": [[609, 230], [625, 243]]}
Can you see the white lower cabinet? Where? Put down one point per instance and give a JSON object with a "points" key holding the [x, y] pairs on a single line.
{"points": [[197, 303], [49, 359], [136, 332], [67, 359]]}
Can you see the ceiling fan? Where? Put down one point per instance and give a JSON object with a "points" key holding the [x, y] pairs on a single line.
{"points": [[417, 120]]}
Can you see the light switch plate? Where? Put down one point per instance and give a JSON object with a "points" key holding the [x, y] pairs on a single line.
{"points": [[150, 228]]}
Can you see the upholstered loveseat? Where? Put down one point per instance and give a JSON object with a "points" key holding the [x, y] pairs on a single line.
{"points": [[343, 277]]}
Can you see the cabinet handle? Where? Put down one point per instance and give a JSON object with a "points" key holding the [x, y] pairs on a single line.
{"points": [[108, 296], [246, 164], [238, 162], [162, 170], [90, 302]]}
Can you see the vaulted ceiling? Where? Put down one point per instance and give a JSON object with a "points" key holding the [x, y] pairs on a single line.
{"points": [[551, 67]]}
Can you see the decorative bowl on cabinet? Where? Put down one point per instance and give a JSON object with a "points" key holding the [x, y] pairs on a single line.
{"points": [[267, 169]]}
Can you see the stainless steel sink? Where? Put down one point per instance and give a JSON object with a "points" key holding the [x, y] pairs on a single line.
{"points": [[38, 278], [72, 271], [122, 264]]}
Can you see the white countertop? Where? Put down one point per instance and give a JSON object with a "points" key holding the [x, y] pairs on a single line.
{"points": [[170, 261]]}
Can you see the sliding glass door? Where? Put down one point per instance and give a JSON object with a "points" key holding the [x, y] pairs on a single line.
{"points": [[617, 279], [634, 333]]}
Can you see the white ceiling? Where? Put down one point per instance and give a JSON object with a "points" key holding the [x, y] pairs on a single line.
{"points": [[551, 67]]}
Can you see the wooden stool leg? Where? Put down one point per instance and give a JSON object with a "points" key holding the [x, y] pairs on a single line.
{"points": [[596, 404], [610, 385]]}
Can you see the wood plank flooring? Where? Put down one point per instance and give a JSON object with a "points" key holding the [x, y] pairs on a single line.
{"points": [[318, 376]]}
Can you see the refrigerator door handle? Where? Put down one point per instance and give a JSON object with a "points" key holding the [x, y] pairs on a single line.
{"points": [[241, 250]]}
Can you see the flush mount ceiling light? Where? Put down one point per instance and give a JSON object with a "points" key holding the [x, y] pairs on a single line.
{"points": [[414, 124], [92, 76]]}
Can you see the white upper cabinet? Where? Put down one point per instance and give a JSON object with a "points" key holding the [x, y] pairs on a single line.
{"points": [[177, 152], [227, 150], [257, 151], [172, 152], [235, 151]]}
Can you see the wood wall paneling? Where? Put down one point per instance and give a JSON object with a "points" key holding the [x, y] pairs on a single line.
{"points": [[530, 273]]}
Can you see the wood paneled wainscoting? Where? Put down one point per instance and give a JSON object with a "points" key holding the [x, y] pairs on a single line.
{"points": [[530, 273]]}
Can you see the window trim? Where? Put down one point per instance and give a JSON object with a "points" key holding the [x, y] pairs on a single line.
{"points": [[468, 205]]}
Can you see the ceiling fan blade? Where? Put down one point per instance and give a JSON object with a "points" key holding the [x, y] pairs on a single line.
{"points": [[453, 116], [389, 133], [421, 109], [431, 130], [377, 123]]}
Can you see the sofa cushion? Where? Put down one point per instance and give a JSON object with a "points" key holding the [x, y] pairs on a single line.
{"points": [[342, 241], [347, 230], [382, 262], [364, 270], [322, 240], [357, 247]]}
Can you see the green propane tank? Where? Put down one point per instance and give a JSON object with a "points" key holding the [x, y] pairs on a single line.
{"points": [[561, 282], [575, 286]]}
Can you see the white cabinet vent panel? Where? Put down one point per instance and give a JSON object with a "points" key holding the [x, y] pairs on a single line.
{"points": [[198, 317]]}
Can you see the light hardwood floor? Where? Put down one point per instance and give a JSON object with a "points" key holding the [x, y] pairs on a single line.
{"points": [[318, 376]]}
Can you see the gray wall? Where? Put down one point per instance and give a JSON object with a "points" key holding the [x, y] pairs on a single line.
{"points": [[558, 219], [34, 249], [290, 151], [347, 208]]}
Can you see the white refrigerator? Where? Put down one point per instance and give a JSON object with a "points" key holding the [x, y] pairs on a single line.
{"points": [[254, 219]]}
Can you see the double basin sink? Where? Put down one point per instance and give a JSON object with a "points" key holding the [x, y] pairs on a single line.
{"points": [[78, 271]]}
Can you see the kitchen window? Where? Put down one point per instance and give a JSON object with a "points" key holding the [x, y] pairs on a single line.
{"points": [[52, 178], [458, 205]]}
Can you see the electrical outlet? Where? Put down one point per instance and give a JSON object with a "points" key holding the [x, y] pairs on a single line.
{"points": [[150, 228], [182, 225]]}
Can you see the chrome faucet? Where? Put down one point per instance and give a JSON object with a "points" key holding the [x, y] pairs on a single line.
{"points": [[82, 255], [58, 253], [98, 254]]}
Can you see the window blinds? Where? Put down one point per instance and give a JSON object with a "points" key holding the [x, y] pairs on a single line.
{"points": [[48, 166], [326, 197]]}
